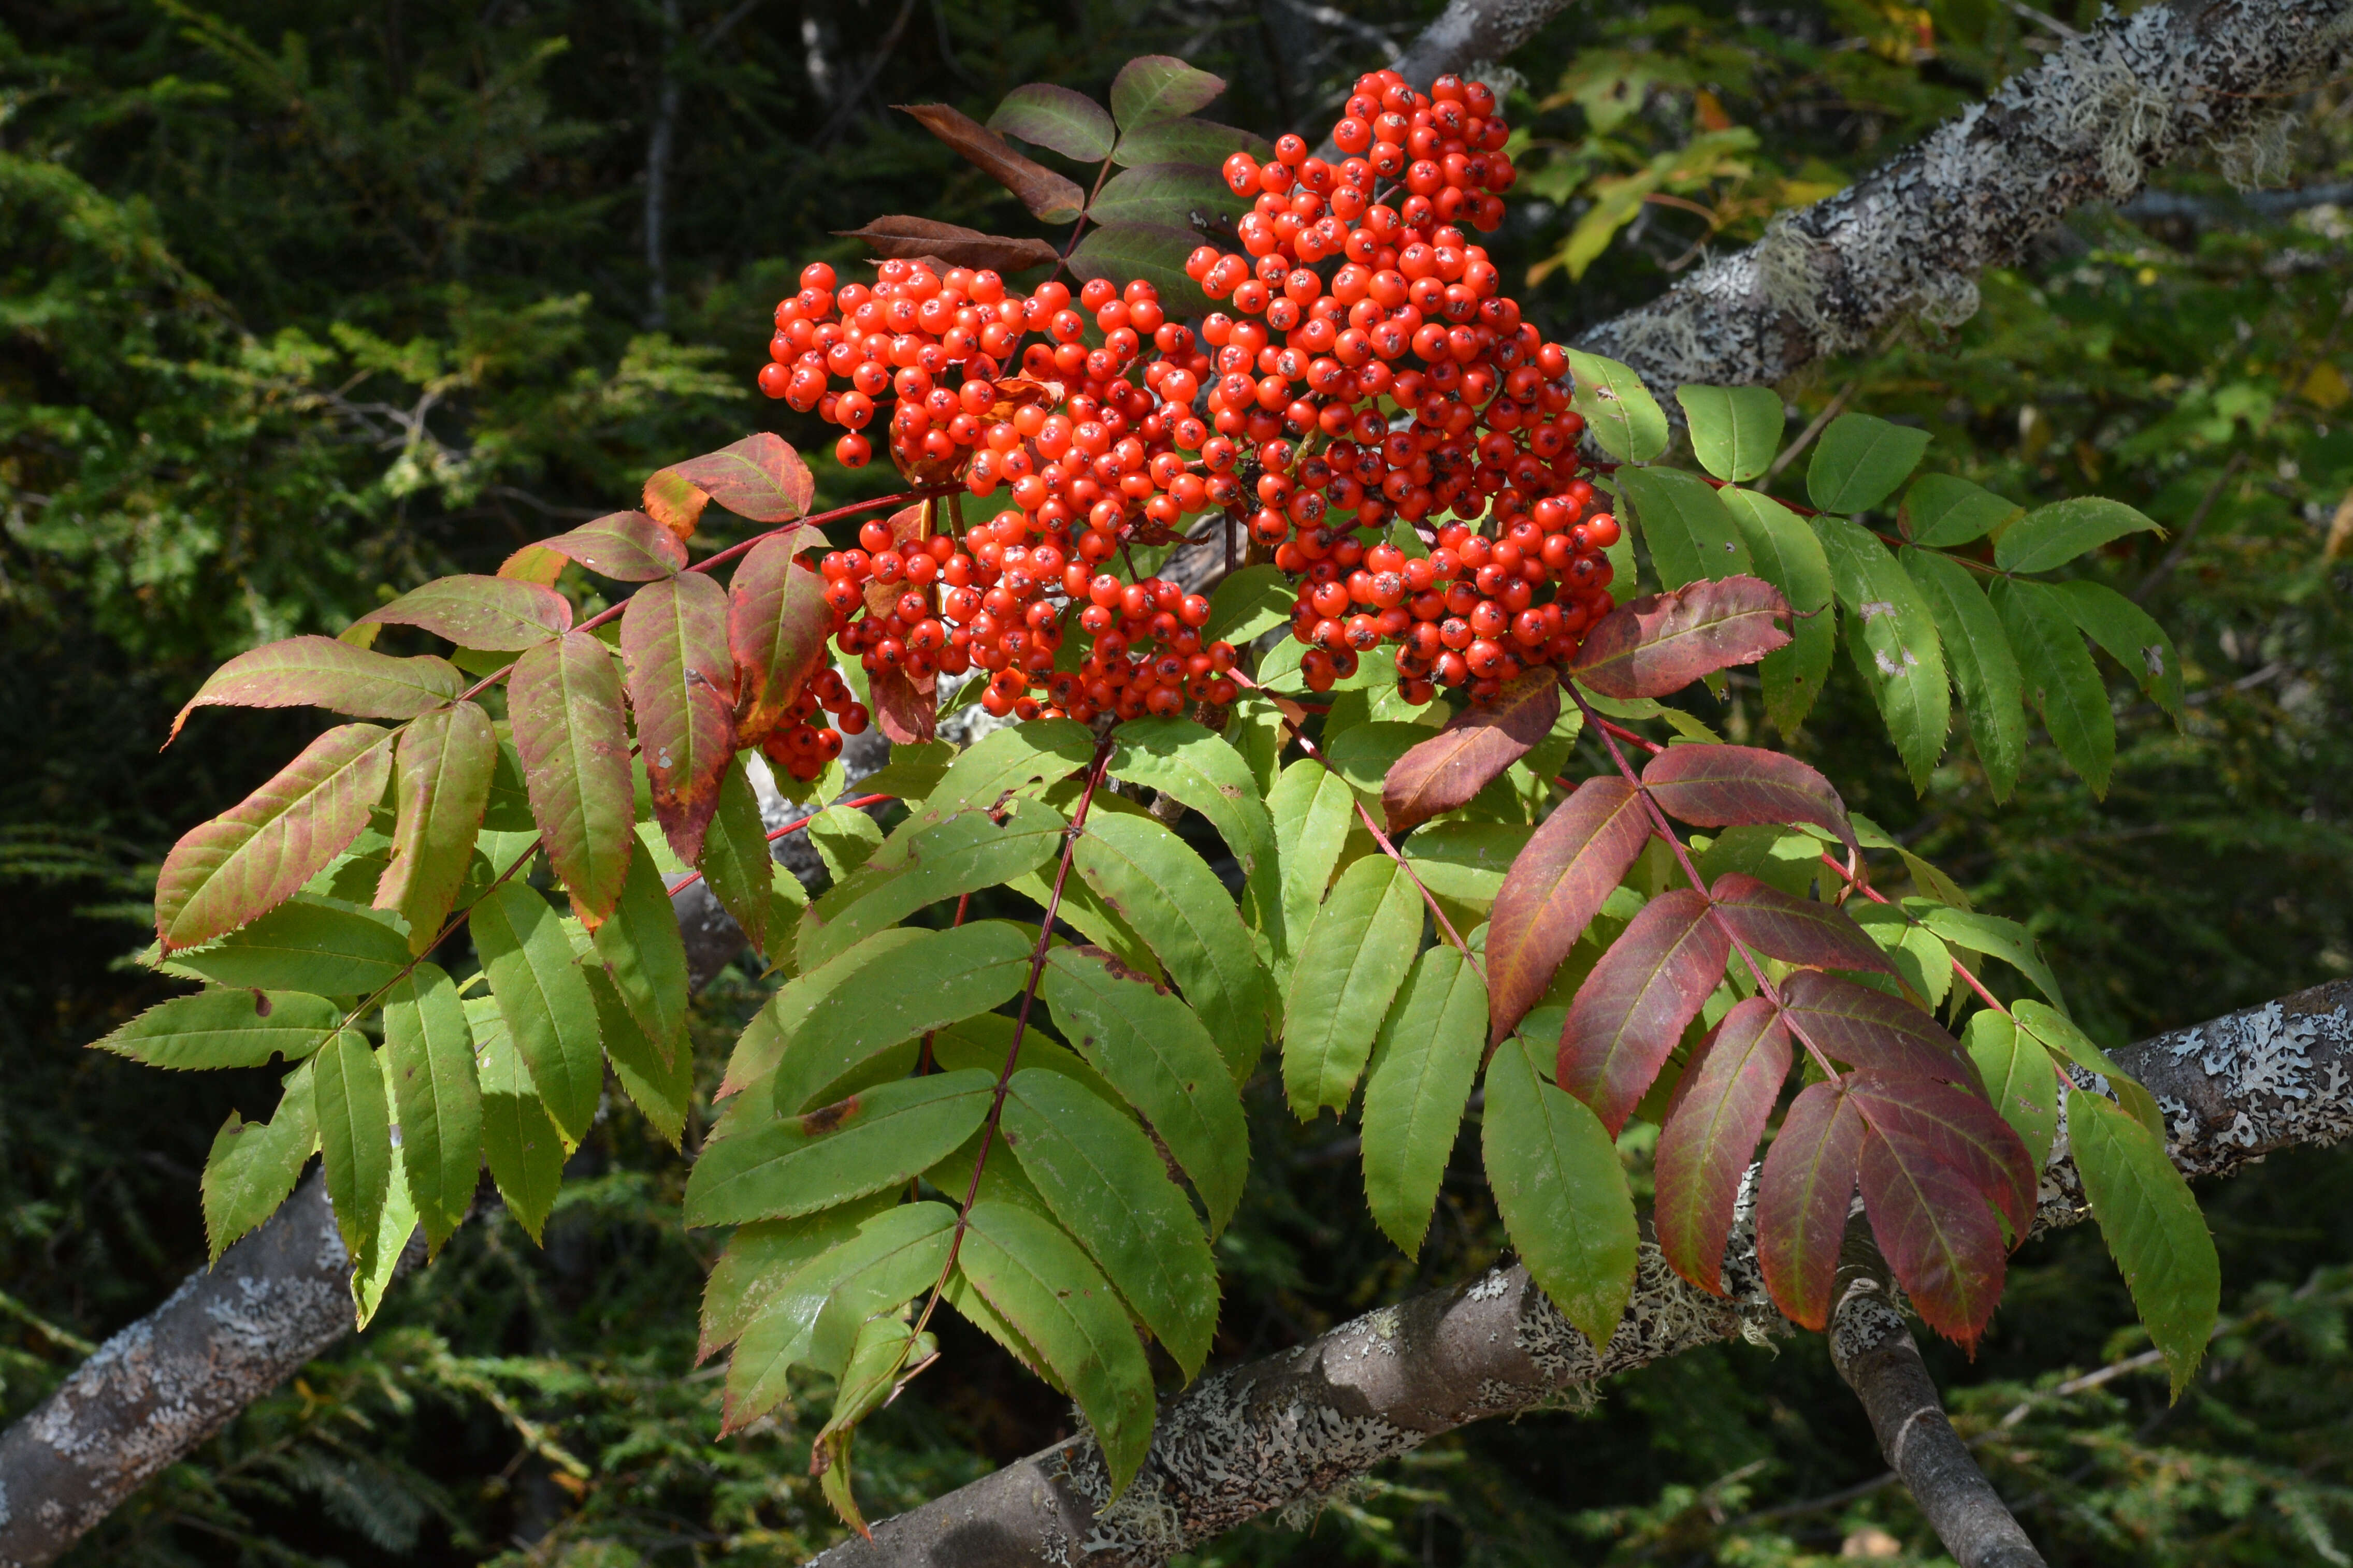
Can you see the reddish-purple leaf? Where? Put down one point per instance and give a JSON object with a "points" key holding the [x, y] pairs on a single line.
{"points": [[259, 853], [1874, 1031], [444, 764], [1046, 193], [1634, 1006], [1794, 929], [565, 699], [1553, 890], [907, 710], [1713, 1125], [1663, 642], [1478, 743], [682, 690], [760, 478], [628, 546], [1733, 787], [931, 240], [1802, 1194], [498, 613], [1937, 1235], [776, 624], [1950, 1128], [321, 672]]}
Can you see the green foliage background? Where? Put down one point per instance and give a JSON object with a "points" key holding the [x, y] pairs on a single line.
{"points": [[302, 304]]}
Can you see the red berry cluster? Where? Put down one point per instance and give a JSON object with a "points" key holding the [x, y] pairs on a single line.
{"points": [[803, 743], [1394, 387]]}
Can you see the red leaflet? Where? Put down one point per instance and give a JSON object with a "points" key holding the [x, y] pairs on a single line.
{"points": [[1713, 1125], [1445, 771], [259, 853], [759, 478], [776, 624], [683, 689], [1663, 642], [322, 672], [565, 699], [1946, 1127], [497, 614], [1796, 931], [1802, 1195], [1556, 884], [1937, 1235], [1872, 1030], [1634, 1008], [1730, 786], [908, 710], [628, 546]]}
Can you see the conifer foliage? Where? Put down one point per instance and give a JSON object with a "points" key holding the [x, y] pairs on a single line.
{"points": [[449, 916]]}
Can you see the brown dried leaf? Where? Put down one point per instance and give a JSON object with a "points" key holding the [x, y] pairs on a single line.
{"points": [[922, 239], [1046, 193]]}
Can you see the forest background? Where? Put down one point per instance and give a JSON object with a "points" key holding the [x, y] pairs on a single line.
{"points": [[301, 304]]}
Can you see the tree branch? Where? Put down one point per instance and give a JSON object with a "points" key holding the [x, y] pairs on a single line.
{"points": [[1909, 239], [1473, 33], [1292, 1428]]}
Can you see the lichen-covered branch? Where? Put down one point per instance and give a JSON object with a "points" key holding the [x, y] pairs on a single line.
{"points": [[1287, 1431], [1873, 1351], [1473, 33], [1909, 239]]}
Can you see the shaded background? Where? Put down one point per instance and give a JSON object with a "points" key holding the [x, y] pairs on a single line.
{"points": [[301, 304]]}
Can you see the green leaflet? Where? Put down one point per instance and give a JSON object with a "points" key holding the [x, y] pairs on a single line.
{"points": [[254, 1165], [1022, 759], [1735, 430], [2152, 1226], [660, 1083], [520, 1142], [761, 1045], [226, 1029], [1182, 759], [899, 991], [798, 1165], [845, 839], [870, 1374], [2132, 638], [1248, 604], [645, 957], [2019, 1077], [2061, 682], [1923, 962], [1859, 462], [1892, 638], [1053, 1297], [1560, 1190], [1154, 881], [1788, 554], [965, 854], [543, 1000], [441, 779], [1465, 862], [1364, 753], [374, 1264], [2055, 534], [2005, 940], [354, 1133], [1084, 910], [429, 1055], [1991, 688], [1620, 411], [1423, 1065], [735, 856], [913, 772], [1940, 511], [1350, 964], [1690, 533], [1157, 1053], [892, 1256], [2060, 1037], [981, 1041], [759, 1260], [307, 943], [1313, 809], [1105, 1183]]}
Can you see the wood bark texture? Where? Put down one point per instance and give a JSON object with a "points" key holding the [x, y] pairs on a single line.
{"points": [[1909, 239]]}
